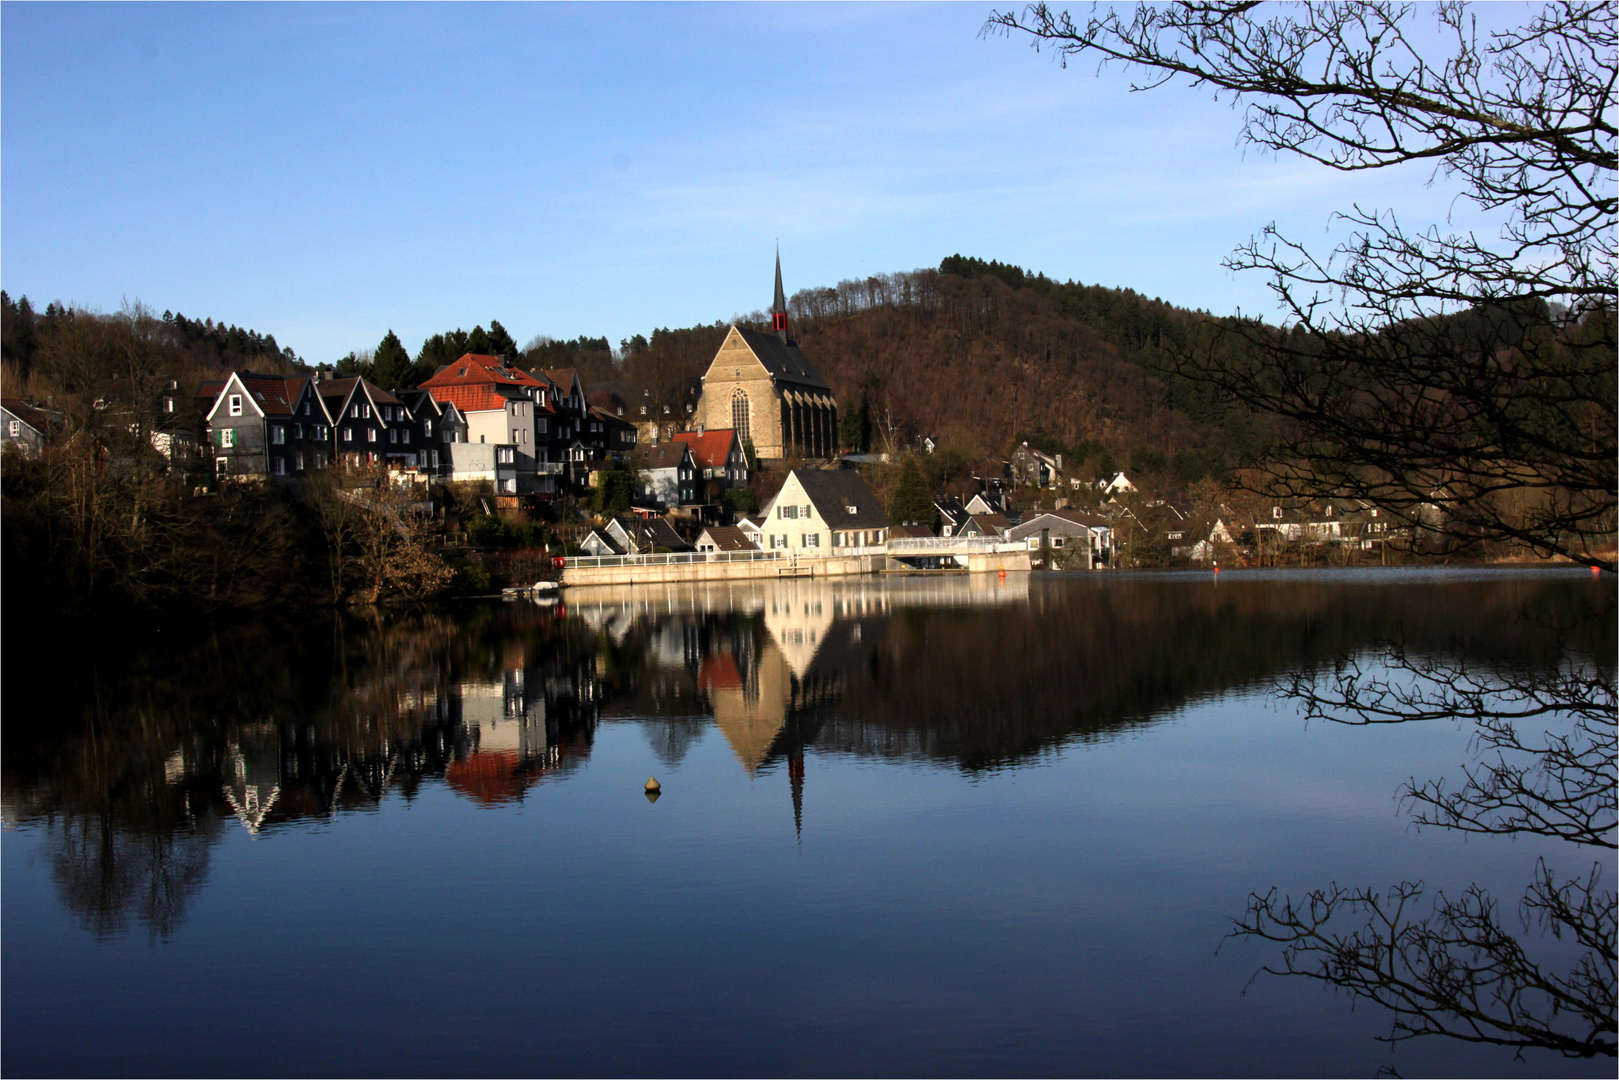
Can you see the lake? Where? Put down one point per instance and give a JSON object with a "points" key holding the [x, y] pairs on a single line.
{"points": [[907, 826]]}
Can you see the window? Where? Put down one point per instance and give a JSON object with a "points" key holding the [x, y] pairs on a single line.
{"points": [[809, 512], [236, 404], [461, 374], [370, 434], [14, 428], [348, 434], [306, 408], [741, 414], [298, 462], [427, 428], [404, 436], [509, 486], [812, 540], [222, 465], [297, 431], [851, 510], [227, 437], [168, 404], [1034, 543], [778, 540], [278, 435], [393, 435], [504, 455], [517, 436], [278, 466], [1056, 541], [788, 512], [543, 425]]}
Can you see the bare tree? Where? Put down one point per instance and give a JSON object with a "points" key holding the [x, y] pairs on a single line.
{"points": [[1459, 969], [1441, 374]]}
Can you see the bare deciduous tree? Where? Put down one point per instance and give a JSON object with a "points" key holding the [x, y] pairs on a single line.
{"points": [[1424, 369]]}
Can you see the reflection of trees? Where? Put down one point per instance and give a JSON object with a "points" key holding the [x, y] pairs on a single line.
{"points": [[136, 770], [106, 873], [1545, 748]]}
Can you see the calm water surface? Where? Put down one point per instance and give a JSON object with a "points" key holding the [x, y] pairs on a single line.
{"points": [[910, 827]]}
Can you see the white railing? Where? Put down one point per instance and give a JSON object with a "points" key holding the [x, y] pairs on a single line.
{"points": [[586, 562], [923, 545]]}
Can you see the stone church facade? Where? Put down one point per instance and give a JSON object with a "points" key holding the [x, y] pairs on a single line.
{"points": [[763, 386]]}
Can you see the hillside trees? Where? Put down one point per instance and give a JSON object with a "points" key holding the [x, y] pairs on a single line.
{"points": [[1426, 367], [1420, 367]]}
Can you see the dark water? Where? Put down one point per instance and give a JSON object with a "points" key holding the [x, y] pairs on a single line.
{"points": [[908, 827]]}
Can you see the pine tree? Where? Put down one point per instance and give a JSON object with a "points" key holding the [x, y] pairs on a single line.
{"points": [[912, 504], [390, 365]]}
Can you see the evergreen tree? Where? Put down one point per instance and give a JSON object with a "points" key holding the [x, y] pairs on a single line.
{"points": [[501, 343], [478, 342], [391, 368], [912, 504]]}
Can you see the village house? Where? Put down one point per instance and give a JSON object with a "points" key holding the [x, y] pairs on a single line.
{"points": [[725, 538], [993, 502], [438, 426], [1066, 534], [763, 387], [987, 525], [634, 536], [369, 425], [952, 515], [501, 404], [264, 426], [22, 426], [820, 513], [666, 474], [1033, 467], [720, 461]]}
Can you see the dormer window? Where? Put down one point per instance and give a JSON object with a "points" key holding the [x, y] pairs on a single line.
{"points": [[461, 374]]}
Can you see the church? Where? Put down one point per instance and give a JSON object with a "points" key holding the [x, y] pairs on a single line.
{"points": [[763, 386]]}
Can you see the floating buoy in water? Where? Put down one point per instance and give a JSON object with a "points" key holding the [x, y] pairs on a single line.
{"points": [[652, 784], [1596, 569], [1003, 575]]}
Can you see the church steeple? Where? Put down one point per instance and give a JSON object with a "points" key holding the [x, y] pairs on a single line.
{"points": [[778, 310]]}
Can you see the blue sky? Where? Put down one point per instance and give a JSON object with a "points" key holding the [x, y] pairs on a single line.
{"points": [[328, 172]]}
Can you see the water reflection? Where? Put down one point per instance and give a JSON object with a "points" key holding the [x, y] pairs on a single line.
{"points": [[142, 770]]}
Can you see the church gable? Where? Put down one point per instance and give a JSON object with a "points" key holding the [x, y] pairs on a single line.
{"points": [[735, 362]]}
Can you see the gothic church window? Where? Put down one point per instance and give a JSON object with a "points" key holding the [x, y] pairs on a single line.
{"points": [[739, 414]]}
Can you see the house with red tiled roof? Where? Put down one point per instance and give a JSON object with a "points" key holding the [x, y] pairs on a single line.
{"points": [[720, 460], [502, 404]]}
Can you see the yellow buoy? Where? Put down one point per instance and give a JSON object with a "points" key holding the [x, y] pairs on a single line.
{"points": [[652, 784]]}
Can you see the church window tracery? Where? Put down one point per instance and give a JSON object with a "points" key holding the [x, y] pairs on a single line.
{"points": [[739, 414]]}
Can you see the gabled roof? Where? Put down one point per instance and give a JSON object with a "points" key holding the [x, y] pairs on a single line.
{"points": [[475, 368], [477, 396], [727, 538], [565, 379], [608, 416], [648, 533], [784, 362], [988, 524], [421, 403], [269, 395], [667, 455], [25, 412], [710, 449], [604, 538], [901, 532], [834, 492]]}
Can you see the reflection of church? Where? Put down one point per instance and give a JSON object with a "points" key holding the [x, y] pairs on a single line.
{"points": [[770, 699]]}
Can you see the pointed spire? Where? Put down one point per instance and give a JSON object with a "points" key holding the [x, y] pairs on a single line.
{"points": [[778, 310]]}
